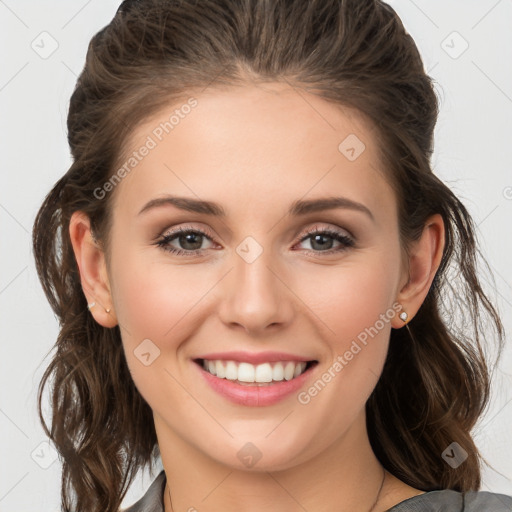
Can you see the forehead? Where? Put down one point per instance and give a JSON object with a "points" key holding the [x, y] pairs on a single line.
{"points": [[258, 142]]}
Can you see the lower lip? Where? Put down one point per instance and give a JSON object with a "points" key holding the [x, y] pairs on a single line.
{"points": [[254, 395]]}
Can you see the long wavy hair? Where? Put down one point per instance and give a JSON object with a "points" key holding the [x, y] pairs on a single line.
{"points": [[436, 381]]}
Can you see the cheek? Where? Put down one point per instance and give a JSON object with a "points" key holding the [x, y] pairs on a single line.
{"points": [[355, 304], [154, 298], [155, 305], [352, 298]]}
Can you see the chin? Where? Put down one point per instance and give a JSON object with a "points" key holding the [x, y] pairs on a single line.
{"points": [[261, 454]]}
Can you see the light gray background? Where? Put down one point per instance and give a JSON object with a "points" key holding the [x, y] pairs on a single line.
{"points": [[473, 155]]}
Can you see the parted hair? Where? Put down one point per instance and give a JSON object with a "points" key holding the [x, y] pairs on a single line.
{"points": [[355, 53]]}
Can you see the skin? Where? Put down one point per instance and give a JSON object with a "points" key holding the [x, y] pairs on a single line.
{"points": [[255, 150]]}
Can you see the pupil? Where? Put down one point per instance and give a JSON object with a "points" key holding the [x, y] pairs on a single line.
{"points": [[189, 239], [321, 245]]}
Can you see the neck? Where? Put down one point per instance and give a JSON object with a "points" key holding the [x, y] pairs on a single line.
{"points": [[343, 476]]}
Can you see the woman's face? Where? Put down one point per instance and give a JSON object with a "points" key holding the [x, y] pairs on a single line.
{"points": [[260, 280]]}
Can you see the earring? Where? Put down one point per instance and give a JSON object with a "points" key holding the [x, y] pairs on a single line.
{"points": [[107, 310], [91, 305], [403, 316]]}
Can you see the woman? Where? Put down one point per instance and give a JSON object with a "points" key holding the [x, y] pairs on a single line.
{"points": [[258, 277]]}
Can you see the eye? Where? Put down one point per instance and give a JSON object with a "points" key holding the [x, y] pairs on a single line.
{"points": [[322, 240], [190, 239]]}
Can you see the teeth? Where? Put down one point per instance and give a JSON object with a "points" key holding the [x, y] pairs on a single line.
{"points": [[231, 370], [263, 373], [220, 370], [289, 370], [246, 372]]}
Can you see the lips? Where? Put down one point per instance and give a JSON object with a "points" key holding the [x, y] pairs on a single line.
{"points": [[248, 379]]}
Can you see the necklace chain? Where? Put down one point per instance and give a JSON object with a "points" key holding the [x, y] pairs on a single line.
{"points": [[371, 510]]}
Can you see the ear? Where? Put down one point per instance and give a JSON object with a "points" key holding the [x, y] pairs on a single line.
{"points": [[91, 262], [424, 259]]}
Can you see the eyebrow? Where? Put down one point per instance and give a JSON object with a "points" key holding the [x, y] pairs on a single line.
{"points": [[297, 208]]}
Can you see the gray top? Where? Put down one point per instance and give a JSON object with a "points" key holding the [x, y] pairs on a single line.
{"points": [[433, 501]]}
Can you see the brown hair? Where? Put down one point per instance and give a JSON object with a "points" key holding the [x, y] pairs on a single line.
{"points": [[435, 383]]}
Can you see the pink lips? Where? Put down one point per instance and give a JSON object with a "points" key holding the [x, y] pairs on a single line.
{"points": [[252, 394]]}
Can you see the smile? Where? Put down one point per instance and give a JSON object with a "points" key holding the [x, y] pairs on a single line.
{"points": [[248, 373], [255, 385]]}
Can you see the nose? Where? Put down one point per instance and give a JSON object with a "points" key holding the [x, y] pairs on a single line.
{"points": [[255, 296]]}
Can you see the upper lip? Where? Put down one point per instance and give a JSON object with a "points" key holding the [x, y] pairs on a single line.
{"points": [[254, 357]]}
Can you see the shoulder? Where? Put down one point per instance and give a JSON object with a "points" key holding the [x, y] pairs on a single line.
{"points": [[493, 502], [152, 501], [453, 501], [433, 501]]}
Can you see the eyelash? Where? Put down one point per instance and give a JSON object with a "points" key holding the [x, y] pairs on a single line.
{"points": [[346, 241]]}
